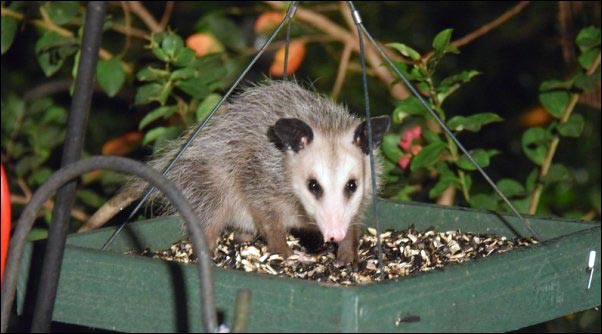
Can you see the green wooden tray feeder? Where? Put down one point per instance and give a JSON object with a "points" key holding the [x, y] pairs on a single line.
{"points": [[111, 290]]}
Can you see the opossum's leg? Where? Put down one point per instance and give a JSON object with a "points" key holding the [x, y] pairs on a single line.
{"points": [[271, 226], [242, 236], [212, 235], [348, 248]]}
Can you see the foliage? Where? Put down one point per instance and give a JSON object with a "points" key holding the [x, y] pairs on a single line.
{"points": [[437, 153], [434, 151]]}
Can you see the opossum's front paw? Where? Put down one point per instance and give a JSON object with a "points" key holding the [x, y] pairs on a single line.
{"points": [[345, 257]]}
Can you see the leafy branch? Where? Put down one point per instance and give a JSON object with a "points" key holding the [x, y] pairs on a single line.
{"points": [[554, 96]]}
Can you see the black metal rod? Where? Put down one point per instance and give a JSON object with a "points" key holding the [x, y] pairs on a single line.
{"points": [[201, 126], [74, 139], [118, 164]]}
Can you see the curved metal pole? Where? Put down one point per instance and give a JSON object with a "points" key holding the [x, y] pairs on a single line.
{"points": [[118, 164]]}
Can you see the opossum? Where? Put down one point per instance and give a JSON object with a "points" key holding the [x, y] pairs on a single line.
{"points": [[276, 157]]}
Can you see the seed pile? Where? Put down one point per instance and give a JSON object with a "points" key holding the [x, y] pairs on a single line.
{"points": [[404, 252]]}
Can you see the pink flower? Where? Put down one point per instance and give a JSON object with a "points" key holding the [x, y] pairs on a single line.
{"points": [[409, 136], [404, 161], [407, 144]]}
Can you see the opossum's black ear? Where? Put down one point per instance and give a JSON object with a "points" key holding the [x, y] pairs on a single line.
{"points": [[293, 133], [380, 125]]}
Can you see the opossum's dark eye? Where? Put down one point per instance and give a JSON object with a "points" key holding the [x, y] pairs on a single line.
{"points": [[350, 187], [314, 188]]}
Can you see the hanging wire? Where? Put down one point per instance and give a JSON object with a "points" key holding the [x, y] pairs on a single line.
{"points": [[291, 9], [358, 21], [288, 37], [445, 128]]}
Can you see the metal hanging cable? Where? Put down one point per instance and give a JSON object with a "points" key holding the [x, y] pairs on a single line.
{"points": [[288, 38], [358, 21]]}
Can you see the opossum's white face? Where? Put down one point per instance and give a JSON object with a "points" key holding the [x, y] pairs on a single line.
{"points": [[330, 174]]}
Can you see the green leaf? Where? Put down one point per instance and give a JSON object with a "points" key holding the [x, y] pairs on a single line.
{"points": [[37, 233], [184, 58], [588, 38], [54, 115], [13, 108], [555, 85], [405, 50], [428, 156], [207, 105], [430, 136], [556, 173], [442, 40], [484, 202], [172, 45], [9, 29], [40, 176], [453, 83], [532, 180], [161, 134], [147, 93], [91, 198], [586, 59], [481, 156], [510, 187], [535, 142], [183, 74], [160, 54], [573, 127], [25, 165], [111, 76], [472, 123], [409, 106], [442, 184], [405, 192], [52, 49], [554, 101], [161, 112], [587, 82], [390, 147], [61, 12], [224, 29], [193, 88], [151, 74]]}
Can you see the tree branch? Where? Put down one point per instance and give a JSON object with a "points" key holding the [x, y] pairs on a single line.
{"points": [[139, 10], [166, 14], [75, 213], [342, 71], [487, 27], [484, 29], [322, 23]]}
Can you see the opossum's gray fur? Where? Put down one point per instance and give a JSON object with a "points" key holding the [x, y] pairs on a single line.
{"points": [[233, 162]]}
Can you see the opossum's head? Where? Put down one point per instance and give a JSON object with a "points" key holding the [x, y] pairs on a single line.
{"points": [[329, 170]]}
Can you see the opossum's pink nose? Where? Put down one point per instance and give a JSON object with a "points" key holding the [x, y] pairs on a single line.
{"points": [[334, 235]]}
